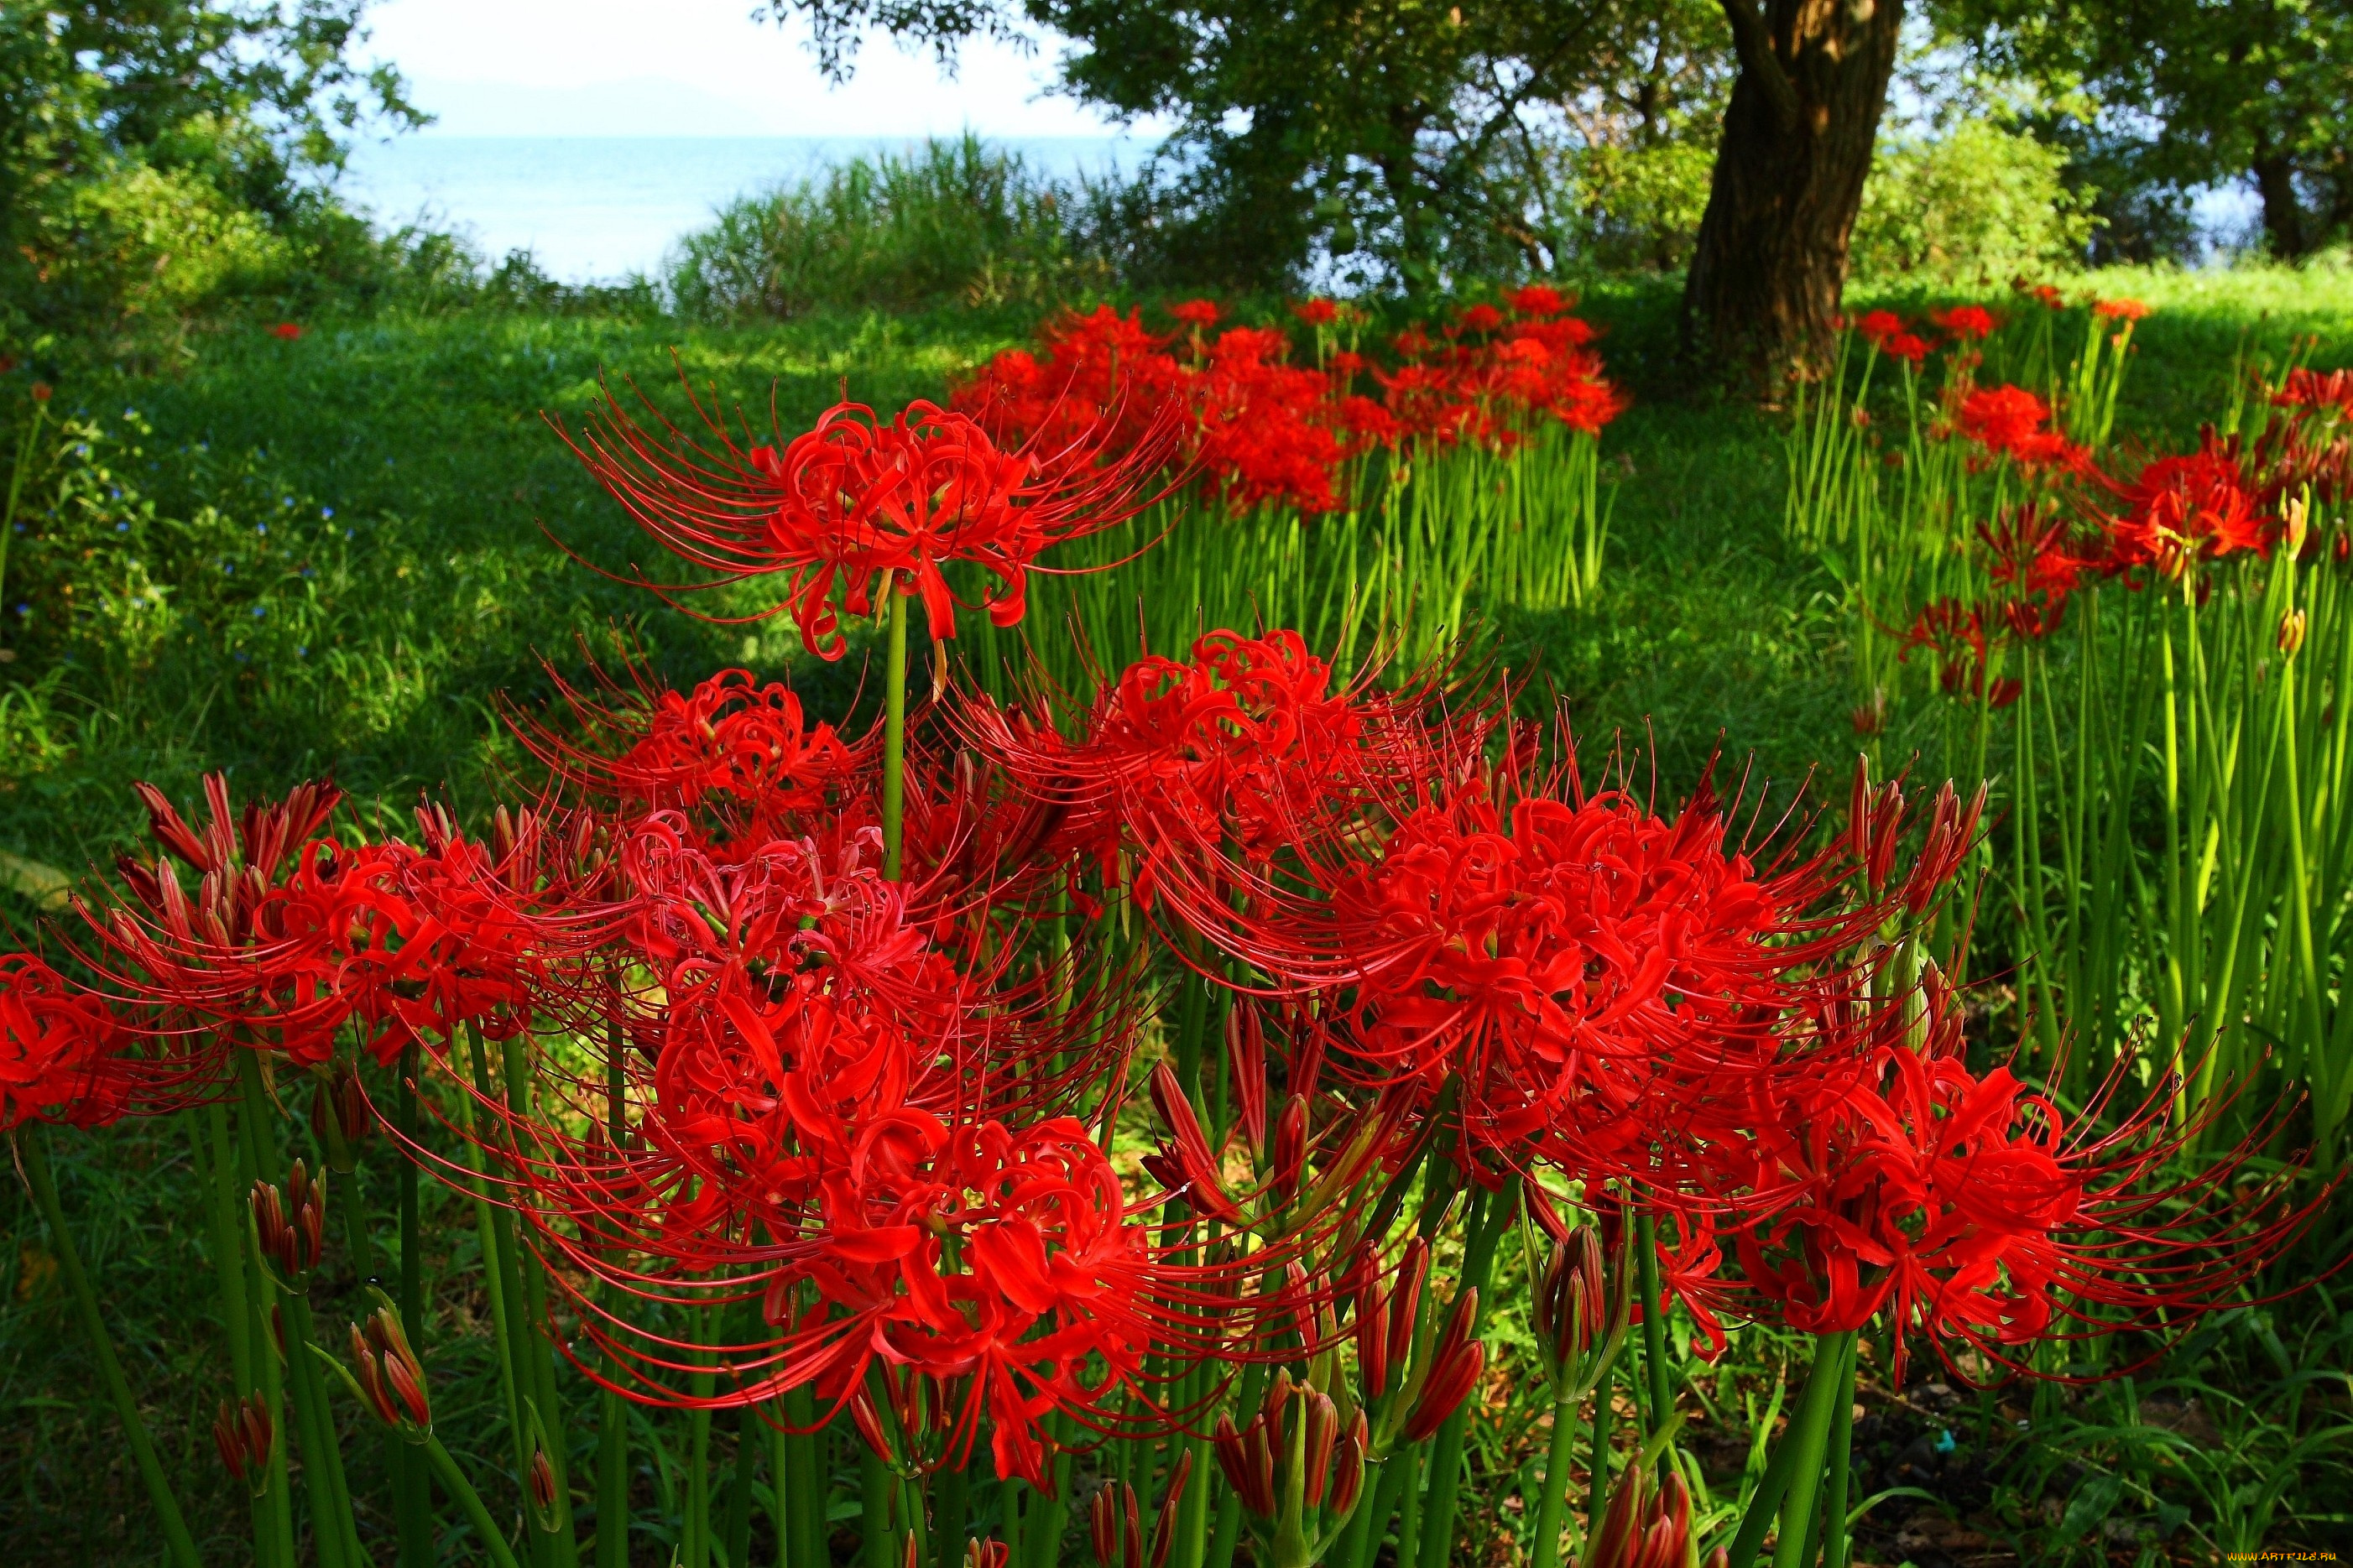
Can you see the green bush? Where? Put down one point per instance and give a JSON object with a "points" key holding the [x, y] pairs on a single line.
{"points": [[1979, 200], [954, 223]]}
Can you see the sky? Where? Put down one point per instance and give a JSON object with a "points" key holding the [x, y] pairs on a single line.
{"points": [[697, 68]]}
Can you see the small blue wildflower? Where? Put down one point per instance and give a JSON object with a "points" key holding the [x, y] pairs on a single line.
{"points": [[260, 611], [302, 650], [122, 528], [261, 528]]}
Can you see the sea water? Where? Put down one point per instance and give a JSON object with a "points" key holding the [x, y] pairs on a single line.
{"points": [[599, 208]]}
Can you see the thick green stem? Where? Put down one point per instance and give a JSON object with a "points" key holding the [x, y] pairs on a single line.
{"points": [[323, 1461], [539, 1355], [877, 1489], [739, 1488], [1446, 1455], [1842, 1466], [469, 1502], [949, 1488], [894, 735], [256, 1151], [612, 1410], [412, 1487], [1798, 1526], [1552, 1502], [33, 1153], [1801, 1445], [1654, 1322]]}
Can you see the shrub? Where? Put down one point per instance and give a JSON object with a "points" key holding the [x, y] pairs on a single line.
{"points": [[1979, 200], [953, 223]]}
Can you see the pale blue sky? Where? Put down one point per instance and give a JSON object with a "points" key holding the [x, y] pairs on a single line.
{"points": [[646, 68]]}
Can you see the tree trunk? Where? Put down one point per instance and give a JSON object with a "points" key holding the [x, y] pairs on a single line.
{"points": [[1771, 257], [2283, 210]]}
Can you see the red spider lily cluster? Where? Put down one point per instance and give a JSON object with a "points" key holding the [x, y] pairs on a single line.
{"points": [[1265, 426], [2230, 497], [880, 1132]]}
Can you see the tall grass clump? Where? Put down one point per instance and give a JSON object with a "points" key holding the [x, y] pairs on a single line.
{"points": [[949, 223]]}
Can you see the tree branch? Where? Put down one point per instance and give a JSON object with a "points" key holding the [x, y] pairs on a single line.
{"points": [[1753, 42]]}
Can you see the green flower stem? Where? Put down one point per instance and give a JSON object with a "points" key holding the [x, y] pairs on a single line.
{"points": [[1841, 1465], [1605, 1418], [1801, 1444], [782, 1496], [470, 1502], [532, 1343], [894, 735], [949, 1490], [694, 1547], [810, 1489], [739, 1488], [33, 1153], [1389, 1480], [1552, 1501], [505, 1289], [254, 1144], [16, 482], [323, 1463], [1446, 1456], [1654, 1320], [612, 1410], [412, 1485], [877, 1489], [1806, 1475]]}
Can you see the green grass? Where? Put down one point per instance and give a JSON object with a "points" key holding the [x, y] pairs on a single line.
{"points": [[421, 436]]}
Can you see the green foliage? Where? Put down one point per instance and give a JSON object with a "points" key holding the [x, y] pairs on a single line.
{"points": [[2186, 94], [956, 223], [1977, 201], [162, 155]]}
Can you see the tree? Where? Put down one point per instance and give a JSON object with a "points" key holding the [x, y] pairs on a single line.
{"points": [[1770, 261], [1408, 137], [2194, 92]]}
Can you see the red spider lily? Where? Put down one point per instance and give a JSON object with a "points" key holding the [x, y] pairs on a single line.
{"points": [[1240, 744], [59, 1050], [246, 1436], [1316, 313], [1477, 319], [2007, 421], [2044, 294], [737, 758], [2030, 558], [857, 505], [1957, 635], [1577, 965], [1964, 323], [1195, 313], [2182, 509], [1266, 429], [2120, 309], [1538, 299], [288, 331], [1971, 1209], [2315, 390]]}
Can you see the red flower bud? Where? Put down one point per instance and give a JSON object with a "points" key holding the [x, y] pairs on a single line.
{"points": [[1348, 1475], [1112, 1522], [1290, 1147], [1192, 1155], [1372, 1341], [1163, 1530], [1405, 1299], [981, 1552], [246, 1436], [1455, 1362], [542, 1479], [1246, 1067], [1248, 1464], [1323, 1419], [338, 1116]]}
